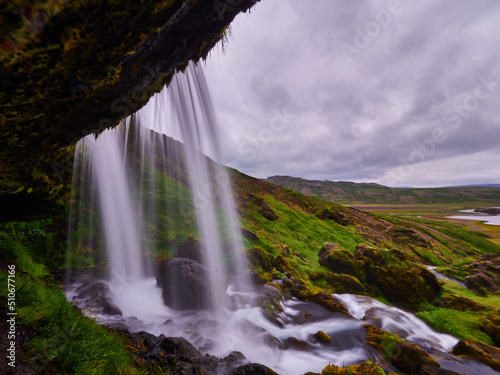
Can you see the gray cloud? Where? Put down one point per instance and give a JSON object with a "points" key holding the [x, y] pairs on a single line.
{"points": [[291, 100]]}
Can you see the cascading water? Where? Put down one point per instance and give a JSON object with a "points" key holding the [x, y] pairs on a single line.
{"points": [[157, 218], [132, 165]]}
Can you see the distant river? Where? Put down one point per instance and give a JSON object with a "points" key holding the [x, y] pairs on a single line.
{"points": [[488, 219]]}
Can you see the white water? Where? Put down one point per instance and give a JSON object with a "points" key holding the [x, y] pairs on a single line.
{"points": [[241, 326], [398, 321], [477, 216]]}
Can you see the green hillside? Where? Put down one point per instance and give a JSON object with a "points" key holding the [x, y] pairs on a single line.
{"points": [[308, 247], [370, 193]]}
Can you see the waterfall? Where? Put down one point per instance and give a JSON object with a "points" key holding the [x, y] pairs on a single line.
{"points": [[156, 242], [139, 197]]}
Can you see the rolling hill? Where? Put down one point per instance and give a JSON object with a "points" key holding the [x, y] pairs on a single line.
{"points": [[371, 193]]}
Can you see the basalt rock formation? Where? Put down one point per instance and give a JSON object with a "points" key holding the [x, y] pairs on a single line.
{"points": [[68, 69]]}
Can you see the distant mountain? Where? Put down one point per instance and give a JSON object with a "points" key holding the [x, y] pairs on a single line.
{"points": [[480, 185], [371, 193]]}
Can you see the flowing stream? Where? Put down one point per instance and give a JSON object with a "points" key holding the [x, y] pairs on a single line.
{"points": [[141, 198]]}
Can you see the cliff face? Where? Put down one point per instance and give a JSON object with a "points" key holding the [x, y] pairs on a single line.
{"points": [[71, 68]]}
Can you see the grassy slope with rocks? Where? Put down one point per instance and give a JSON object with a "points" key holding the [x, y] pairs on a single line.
{"points": [[284, 234], [370, 193]]}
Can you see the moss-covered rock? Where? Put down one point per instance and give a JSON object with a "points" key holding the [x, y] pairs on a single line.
{"points": [[283, 265], [460, 303], [339, 260], [406, 357], [491, 325], [258, 258], [401, 281], [323, 337], [264, 209], [479, 351], [343, 283], [367, 368], [337, 216], [310, 293]]}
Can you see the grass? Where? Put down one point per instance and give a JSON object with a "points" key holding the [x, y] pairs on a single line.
{"points": [[64, 341], [300, 232], [461, 324], [490, 300]]}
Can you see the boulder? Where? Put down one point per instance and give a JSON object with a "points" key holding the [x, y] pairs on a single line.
{"points": [[338, 217], [265, 210], [483, 353], [401, 281], [367, 368], [322, 337], [97, 294], [480, 283], [344, 283], [248, 235], [339, 260], [491, 325], [253, 369], [185, 283], [191, 249], [259, 258], [177, 355], [459, 303], [406, 357]]}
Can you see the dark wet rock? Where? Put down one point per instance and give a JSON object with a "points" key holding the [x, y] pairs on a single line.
{"points": [[178, 355], [481, 284], [406, 357], [188, 276], [323, 337], [253, 369], [339, 260], [401, 281], [248, 235], [190, 249], [295, 344], [491, 325], [271, 303], [272, 342], [265, 210], [343, 283], [97, 294], [489, 355]]}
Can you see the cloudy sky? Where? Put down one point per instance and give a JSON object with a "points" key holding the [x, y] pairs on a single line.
{"points": [[402, 93]]}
